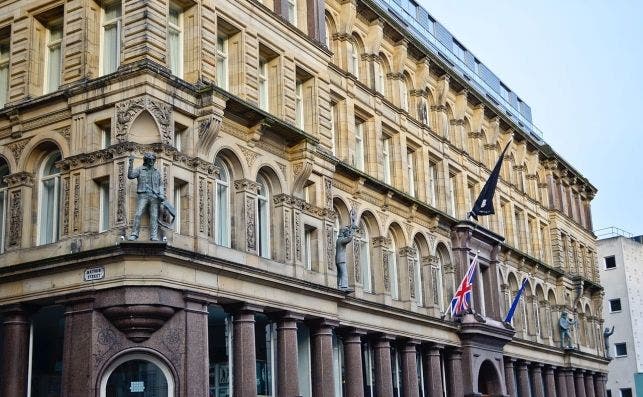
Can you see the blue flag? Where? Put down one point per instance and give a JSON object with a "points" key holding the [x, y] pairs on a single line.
{"points": [[512, 309]]}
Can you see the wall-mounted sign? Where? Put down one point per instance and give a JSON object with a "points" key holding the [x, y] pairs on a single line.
{"points": [[94, 273], [137, 387]]}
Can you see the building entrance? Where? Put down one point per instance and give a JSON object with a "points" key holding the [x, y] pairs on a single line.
{"points": [[488, 380], [139, 376]]}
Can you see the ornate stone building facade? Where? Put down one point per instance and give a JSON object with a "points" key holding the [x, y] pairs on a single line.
{"points": [[270, 122]]}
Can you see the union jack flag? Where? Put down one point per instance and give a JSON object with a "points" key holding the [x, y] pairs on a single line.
{"points": [[460, 301]]}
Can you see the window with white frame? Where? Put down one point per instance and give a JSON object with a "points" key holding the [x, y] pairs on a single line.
{"points": [[222, 60], [338, 364], [379, 77], [359, 145], [353, 60], [263, 217], [333, 129], [433, 184], [396, 372], [53, 56], [49, 200], [419, 292], [4, 171], [392, 265], [410, 166], [4, 69], [304, 360], [266, 355], [103, 204], [365, 257], [178, 204], [310, 246], [386, 158], [621, 349], [292, 11], [175, 39], [452, 207], [263, 83], [105, 129], [404, 95], [222, 205], [368, 369], [299, 103], [111, 38]]}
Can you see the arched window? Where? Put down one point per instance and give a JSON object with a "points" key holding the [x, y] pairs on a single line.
{"points": [[263, 217], [137, 373], [392, 264], [379, 77], [328, 33], [437, 276], [4, 171], [365, 257], [353, 59], [49, 200], [222, 206], [404, 95], [419, 291]]}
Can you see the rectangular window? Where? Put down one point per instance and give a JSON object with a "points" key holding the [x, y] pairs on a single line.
{"points": [[3, 207], [396, 372], [4, 69], [338, 364], [292, 11], [610, 262], [615, 305], [299, 104], [433, 184], [175, 39], [219, 351], [359, 145], [263, 83], [410, 167], [53, 56], [105, 135], [333, 129], [609, 393], [386, 158], [222, 60], [265, 352], [621, 349], [626, 392], [368, 369], [179, 134], [504, 92], [310, 246], [452, 208], [303, 360], [177, 206], [111, 38], [103, 223]]}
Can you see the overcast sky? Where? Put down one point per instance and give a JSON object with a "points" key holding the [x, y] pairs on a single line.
{"points": [[579, 65]]}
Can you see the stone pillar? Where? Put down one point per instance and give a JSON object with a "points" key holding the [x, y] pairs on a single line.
{"points": [[550, 381], [15, 352], [599, 384], [244, 369], [383, 374], [569, 380], [589, 384], [510, 377], [353, 362], [287, 358], [196, 346], [561, 383], [433, 370], [523, 378], [322, 357], [454, 375], [579, 383], [537, 380], [77, 347], [20, 192], [409, 368], [246, 208]]}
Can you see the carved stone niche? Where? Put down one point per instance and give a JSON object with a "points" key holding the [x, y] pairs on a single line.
{"points": [[138, 322]]}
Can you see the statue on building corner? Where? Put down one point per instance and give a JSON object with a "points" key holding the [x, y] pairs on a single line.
{"points": [[566, 324], [606, 339], [150, 194], [344, 236]]}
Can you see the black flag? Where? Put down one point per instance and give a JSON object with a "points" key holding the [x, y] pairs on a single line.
{"points": [[484, 203]]}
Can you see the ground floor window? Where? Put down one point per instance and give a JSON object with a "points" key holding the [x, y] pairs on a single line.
{"points": [[138, 374], [368, 368], [266, 352], [338, 364], [46, 351], [219, 348], [303, 361]]}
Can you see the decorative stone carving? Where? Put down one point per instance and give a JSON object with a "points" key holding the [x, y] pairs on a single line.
{"points": [[138, 322], [202, 212], [127, 111], [121, 216], [76, 198], [65, 200], [298, 236], [412, 277], [17, 148], [251, 234], [287, 236], [330, 248], [328, 192], [386, 259], [250, 155], [15, 218], [21, 178]]}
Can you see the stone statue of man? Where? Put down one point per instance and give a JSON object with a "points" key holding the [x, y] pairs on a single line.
{"points": [[566, 324], [344, 237], [606, 339], [150, 193]]}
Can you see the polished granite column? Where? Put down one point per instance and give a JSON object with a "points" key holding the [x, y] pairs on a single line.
{"points": [[321, 342], [523, 378], [510, 376], [15, 352], [408, 350], [433, 370], [383, 373], [354, 381]]}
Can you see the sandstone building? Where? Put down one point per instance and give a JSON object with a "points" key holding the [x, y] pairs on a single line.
{"points": [[270, 121]]}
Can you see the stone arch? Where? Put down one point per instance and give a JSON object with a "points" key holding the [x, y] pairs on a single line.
{"points": [[8, 158], [275, 178], [446, 284], [331, 29], [394, 273], [35, 151], [369, 229], [230, 157], [423, 271], [528, 303], [342, 212], [385, 64], [448, 129], [542, 322], [589, 326], [489, 380], [554, 315], [140, 130], [127, 112], [358, 46]]}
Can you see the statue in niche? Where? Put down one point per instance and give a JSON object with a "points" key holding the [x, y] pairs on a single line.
{"points": [[150, 194], [606, 339], [344, 237], [566, 324]]}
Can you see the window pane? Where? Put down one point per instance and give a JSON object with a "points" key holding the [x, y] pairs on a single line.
{"points": [[303, 359], [174, 40], [112, 12], [53, 68], [134, 374], [47, 217], [46, 368], [4, 84], [104, 206], [110, 48], [219, 346], [223, 216], [3, 207], [265, 350]]}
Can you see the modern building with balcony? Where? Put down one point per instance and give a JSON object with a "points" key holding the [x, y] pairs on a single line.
{"points": [[272, 122], [621, 271]]}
